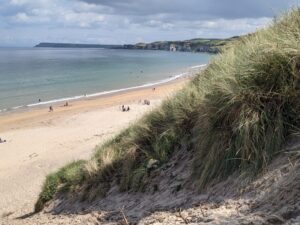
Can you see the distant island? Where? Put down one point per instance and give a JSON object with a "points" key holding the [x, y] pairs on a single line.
{"points": [[193, 45]]}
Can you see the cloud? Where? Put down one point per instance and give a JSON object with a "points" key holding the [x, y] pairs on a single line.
{"points": [[52, 13], [190, 9], [83, 20], [27, 22]]}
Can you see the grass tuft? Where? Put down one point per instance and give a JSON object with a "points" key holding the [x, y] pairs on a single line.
{"points": [[62, 179]]}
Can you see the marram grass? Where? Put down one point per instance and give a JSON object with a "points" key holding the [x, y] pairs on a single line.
{"points": [[235, 116]]}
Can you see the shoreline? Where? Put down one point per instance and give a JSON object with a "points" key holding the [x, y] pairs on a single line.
{"points": [[40, 142], [26, 115], [191, 71], [29, 116]]}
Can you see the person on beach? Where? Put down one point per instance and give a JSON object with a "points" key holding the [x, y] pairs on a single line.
{"points": [[66, 104], [146, 102], [50, 108], [40, 100], [125, 109]]}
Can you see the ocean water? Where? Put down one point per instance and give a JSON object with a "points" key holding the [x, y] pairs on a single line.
{"points": [[55, 74]]}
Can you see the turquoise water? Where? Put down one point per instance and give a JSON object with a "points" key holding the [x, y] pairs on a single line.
{"points": [[49, 74]]}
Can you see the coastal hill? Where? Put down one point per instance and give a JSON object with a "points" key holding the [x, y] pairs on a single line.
{"points": [[193, 45], [70, 45], [223, 150]]}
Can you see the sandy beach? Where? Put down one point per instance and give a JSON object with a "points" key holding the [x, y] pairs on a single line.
{"points": [[39, 141]]}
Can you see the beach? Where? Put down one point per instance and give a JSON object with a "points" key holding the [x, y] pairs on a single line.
{"points": [[39, 142], [32, 77]]}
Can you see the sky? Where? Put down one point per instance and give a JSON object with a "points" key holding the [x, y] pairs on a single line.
{"points": [[28, 22]]}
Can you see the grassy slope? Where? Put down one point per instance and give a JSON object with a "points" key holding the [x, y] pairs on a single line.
{"points": [[213, 44], [236, 116]]}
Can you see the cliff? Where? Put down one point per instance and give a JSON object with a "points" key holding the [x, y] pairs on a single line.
{"points": [[193, 45]]}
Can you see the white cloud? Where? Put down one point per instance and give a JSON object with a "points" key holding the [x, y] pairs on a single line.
{"points": [[249, 24], [127, 21], [84, 20], [18, 2], [157, 23], [55, 14], [21, 17]]}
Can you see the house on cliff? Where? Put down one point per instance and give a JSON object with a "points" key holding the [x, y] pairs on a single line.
{"points": [[173, 48]]}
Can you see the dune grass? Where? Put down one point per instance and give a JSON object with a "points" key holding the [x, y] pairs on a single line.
{"points": [[65, 178], [235, 115]]}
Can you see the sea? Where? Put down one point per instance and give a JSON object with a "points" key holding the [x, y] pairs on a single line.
{"points": [[31, 77]]}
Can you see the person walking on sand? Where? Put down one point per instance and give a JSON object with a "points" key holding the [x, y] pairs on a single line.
{"points": [[123, 108], [50, 108]]}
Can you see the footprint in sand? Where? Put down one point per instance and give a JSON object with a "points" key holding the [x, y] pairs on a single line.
{"points": [[33, 155], [87, 139]]}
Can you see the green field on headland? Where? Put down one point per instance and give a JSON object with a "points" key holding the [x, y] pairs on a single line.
{"points": [[193, 45]]}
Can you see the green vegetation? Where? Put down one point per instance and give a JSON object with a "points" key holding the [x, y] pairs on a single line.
{"points": [[235, 116], [193, 45], [64, 178], [215, 43]]}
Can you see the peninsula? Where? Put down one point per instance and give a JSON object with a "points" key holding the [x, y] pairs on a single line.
{"points": [[193, 45], [72, 45]]}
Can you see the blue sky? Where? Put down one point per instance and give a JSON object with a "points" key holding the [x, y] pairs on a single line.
{"points": [[28, 22]]}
